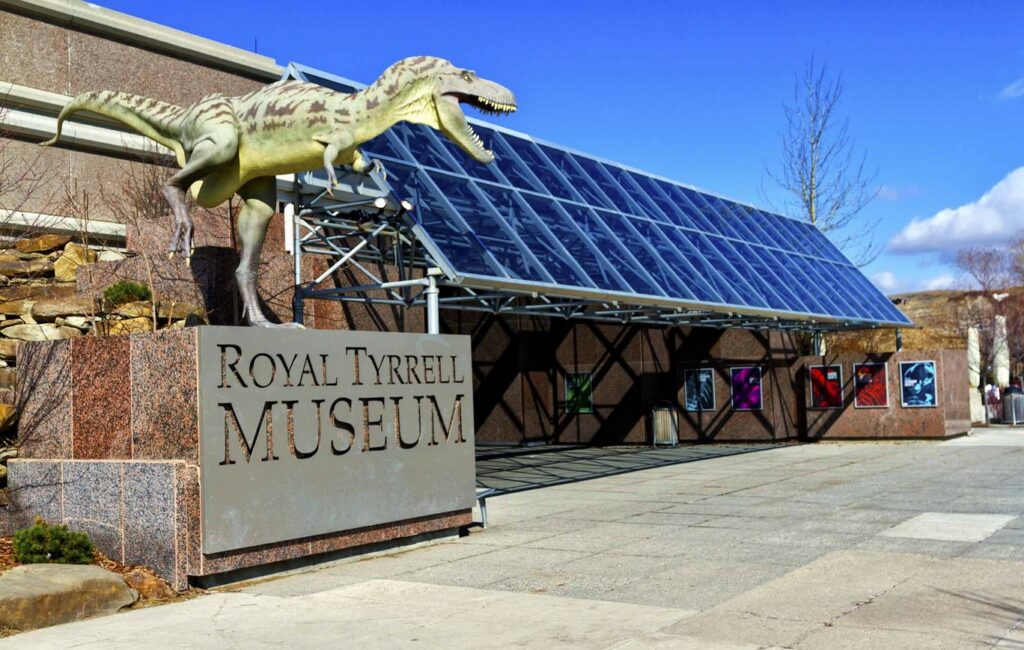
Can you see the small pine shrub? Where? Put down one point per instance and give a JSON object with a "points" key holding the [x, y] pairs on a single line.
{"points": [[126, 291], [46, 544]]}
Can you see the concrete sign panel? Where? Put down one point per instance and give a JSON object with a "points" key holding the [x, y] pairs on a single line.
{"points": [[308, 432]]}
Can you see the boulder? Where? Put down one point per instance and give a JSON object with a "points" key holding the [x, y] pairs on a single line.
{"points": [[29, 332], [42, 243], [70, 332], [178, 311], [109, 256], [78, 322], [48, 309], [8, 416], [129, 326], [15, 307], [141, 309], [149, 585], [39, 595], [37, 292], [8, 377], [66, 266], [26, 268]]}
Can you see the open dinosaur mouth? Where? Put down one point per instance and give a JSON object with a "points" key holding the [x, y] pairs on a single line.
{"points": [[484, 105]]}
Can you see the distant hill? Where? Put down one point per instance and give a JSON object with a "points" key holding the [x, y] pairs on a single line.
{"points": [[935, 313]]}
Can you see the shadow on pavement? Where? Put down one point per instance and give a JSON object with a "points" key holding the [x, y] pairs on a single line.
{"points": [[507, 469]]}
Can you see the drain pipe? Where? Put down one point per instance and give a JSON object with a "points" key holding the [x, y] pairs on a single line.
{"points": [[432, 293], [433, 301]]}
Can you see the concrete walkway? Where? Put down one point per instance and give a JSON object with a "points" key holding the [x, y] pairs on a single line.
{"points": [[837, 545]]}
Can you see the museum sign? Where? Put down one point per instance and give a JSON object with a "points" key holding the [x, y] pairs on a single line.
{"points": [[304, 433]]}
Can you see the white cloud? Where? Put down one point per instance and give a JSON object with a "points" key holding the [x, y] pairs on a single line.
{"points": [[886, 281], [941, 282], [1013, 91], [991, 220]]}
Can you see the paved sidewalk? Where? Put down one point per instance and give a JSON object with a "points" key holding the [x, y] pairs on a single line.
{"points": [[835, 545]]}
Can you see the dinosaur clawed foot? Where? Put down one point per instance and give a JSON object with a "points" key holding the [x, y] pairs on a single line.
{"points": [[377, 167], [181, 240], [256, 318]]}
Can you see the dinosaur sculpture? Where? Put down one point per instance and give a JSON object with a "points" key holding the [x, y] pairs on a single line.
{"points": [[228, 145]]}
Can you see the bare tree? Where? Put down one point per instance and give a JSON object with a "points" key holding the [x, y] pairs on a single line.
{"points": [[989, 268], [24, 182], [992, 272], [825, 181]]}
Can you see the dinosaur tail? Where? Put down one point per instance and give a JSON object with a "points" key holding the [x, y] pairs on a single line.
{"points": [[154, 119]]}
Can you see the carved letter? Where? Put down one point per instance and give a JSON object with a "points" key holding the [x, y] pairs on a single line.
{"points": [[231, 421], [288, 369], [355, 364], [428, 370], [395, 369], [307, 369], [367, 422], [232, 366], [398, 426], [323, 370], [377, 366], [455, 371], [252, 369], [344, 426], [290, 405], [437, 418], [411, 361]]}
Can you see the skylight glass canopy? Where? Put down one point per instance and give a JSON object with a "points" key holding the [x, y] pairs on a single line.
{"points": [[547, 220]]}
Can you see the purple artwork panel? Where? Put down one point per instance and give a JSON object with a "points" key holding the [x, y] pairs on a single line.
{"points": [[746, 388]]}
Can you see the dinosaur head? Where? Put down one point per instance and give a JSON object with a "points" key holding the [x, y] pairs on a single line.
{"points": [[445, 88]]}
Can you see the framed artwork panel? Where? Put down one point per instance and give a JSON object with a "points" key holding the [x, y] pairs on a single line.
{"points": [[826, 387], [918, 384], [746, 388], [699, 386], [870, 385]]}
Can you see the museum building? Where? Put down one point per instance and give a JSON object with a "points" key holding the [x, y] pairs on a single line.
{"points": [[592, 292]]}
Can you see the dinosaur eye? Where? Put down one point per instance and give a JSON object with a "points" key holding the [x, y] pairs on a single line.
{"points": [[468, 75]]}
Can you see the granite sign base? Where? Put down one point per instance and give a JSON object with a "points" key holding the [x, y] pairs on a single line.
{"points": [[122, 436]]}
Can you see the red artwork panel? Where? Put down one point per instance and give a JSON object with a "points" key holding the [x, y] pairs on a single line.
{"points": [[870, 385], [826, 387]]}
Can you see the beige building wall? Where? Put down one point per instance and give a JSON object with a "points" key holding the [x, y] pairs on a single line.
{"points": [[68, 47]]}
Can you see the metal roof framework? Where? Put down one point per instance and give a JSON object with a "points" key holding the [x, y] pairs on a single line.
{"points": [[547, 231]]}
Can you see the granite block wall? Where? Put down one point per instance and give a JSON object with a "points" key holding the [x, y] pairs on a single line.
{"points": [[950, 416], [111, 448], [116, 397]]}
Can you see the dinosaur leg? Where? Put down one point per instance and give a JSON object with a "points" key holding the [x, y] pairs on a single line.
{"points": [[362, 164], [259, 197], [330, 153], [206, 156]]}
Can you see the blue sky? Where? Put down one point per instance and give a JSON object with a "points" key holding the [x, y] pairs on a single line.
{"points": [[694, 91]]}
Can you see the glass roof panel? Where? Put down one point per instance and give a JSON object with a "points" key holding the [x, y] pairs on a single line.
{"points": [[447, 230], [581, 249], [577, 178], [490, 231], [544, 247], [543, 215], [554, 183], [614, 249]]}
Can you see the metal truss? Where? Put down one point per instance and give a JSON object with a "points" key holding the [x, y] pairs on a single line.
{"points": [[442, 210]]}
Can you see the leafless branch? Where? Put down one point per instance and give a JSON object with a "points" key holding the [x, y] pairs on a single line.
{"points": [[826, 182]]}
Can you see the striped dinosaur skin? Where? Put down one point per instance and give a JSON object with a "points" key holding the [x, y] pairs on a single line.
{"points": [[228, 145]]}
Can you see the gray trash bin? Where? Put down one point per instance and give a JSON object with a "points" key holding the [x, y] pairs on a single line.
{"points": [[664, 425], [1013, 408]]}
